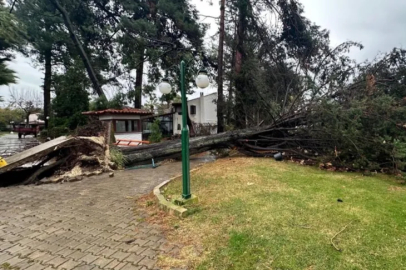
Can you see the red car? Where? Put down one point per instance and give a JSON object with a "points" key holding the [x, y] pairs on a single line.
{"points": [[26, 130]]}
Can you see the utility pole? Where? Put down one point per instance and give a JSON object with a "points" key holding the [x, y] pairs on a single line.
{"points": [[220, 99]]}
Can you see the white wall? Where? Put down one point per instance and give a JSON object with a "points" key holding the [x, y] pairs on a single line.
{"points": [[206, 112], [197, 118], [177, 119], [129, 136], [119, 117], [210, 109]]}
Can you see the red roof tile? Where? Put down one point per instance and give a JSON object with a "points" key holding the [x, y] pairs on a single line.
{"points": [[123, 111]]}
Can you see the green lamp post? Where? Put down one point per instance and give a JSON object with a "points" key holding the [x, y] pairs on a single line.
{"points": [[202, 81]]}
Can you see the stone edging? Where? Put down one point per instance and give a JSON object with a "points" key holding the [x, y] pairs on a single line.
{"points": [[167, 205]]}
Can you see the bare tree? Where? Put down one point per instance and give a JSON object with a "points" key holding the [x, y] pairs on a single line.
{"points": [[28, 100]]}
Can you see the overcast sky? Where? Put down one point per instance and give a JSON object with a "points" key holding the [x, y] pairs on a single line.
{"points": [[379, 25]]}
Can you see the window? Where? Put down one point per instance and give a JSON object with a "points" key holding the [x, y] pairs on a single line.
{"points": [[135, 126], [121, 126], [179, 127], [192, 109]]}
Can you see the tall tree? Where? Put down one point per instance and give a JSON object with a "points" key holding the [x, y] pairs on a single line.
{"points": [[12, 35], [84, 56], [47, 40], [220, 100]]}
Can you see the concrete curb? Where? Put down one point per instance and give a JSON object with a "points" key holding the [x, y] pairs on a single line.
{"points": [[168, 206]]}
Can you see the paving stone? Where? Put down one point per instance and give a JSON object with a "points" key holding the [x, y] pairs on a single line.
{"points": [[119, 255], [70, 264], [120, 266], [149, 263], [65, 252], [116, 237], [102, 262], [95, 250], [83, 246], [137, 249], [58, 260], [13, 261], [84, 267], [6, 245], [134, 258], [107, 252], [140, 242], [131, 267], [36, 266], [89, 258], [46, 223], [149, 253], [26, 263], [45, 258], [112, 264], [77, 255], [36, 254]]}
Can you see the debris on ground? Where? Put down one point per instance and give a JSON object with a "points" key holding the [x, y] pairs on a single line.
{"points": [[64, 159]]}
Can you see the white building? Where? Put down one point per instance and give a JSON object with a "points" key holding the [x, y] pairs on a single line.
{"points": [[202, 113], [126, 123]]}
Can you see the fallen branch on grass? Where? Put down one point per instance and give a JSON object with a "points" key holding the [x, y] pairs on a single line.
{"points": [[332, 239]]}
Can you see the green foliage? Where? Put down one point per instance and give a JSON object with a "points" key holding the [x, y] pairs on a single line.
{"points": [[156, 133], [11, 38], [363, 126], [99, 104], [71, 99], [119, 101], [117, 157], [7, 76], [9, 114], [55, 132]]}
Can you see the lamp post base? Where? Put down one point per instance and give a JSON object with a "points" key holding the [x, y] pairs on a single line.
{"points": [[181, 201]]}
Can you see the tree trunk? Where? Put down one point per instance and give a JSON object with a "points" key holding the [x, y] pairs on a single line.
{"points": [[220, 99], [47, 84], [138, 81], [247, 138], [240, 115], [230, 101], [82, 53], [170, 149]]}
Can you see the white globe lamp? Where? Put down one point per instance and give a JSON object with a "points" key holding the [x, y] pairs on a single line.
{"points": [[165, 87], [202, 80]]}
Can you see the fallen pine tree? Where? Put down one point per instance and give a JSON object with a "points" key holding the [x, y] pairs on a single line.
{"points": [[250, 141], [357, 123]]}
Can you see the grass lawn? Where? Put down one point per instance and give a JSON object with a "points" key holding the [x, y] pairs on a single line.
{"points": [[260, 214]]}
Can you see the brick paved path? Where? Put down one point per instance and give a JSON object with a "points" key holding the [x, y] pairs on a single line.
{"points": [[89, 224]]}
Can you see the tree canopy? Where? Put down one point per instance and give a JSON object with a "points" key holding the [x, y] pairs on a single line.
{"points": [[12, 38], [270, 70]]}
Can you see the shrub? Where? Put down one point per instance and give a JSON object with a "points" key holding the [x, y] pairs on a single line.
{"points": [[117, 157], [156, 133]]}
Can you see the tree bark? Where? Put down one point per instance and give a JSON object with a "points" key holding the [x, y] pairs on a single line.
{"points": [[220, 98], [173, 149], [47, 84], [82, 53], [138, 81], [240, 116]]}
